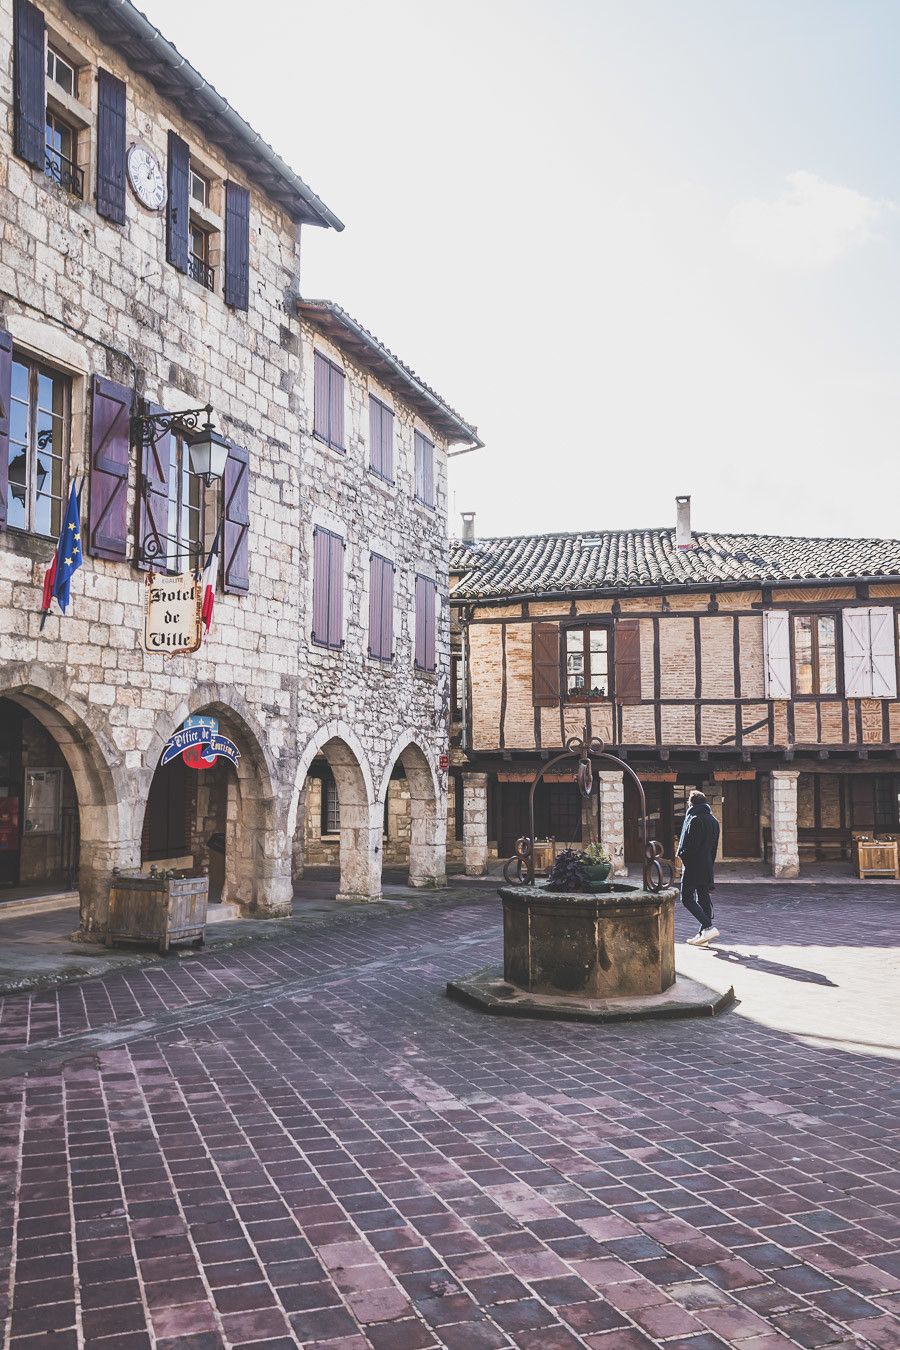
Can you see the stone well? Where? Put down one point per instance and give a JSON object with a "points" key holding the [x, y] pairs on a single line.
{"points": [[617, 943]]}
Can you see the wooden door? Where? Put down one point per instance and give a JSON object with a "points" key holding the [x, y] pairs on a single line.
{"points": [[740, 820], [513, 816]]}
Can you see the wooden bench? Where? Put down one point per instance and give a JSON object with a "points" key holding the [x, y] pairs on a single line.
{"points": [[818, 845]]}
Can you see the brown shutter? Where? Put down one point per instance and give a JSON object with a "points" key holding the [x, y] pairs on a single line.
{"points": [[151, 546], [237, 246], [627, 652], [336, 592], [110, 147], [107, 533], [545, 661], [5, 395], [28, 82], [336, 408], [321, 562], [178, 203], [236, 519]]}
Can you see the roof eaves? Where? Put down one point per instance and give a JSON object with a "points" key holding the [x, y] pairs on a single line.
{"points": [[123, 26]]}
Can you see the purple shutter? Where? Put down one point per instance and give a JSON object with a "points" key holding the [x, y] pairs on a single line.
{"points": [[153, 503], [236, 522], [336, 592], [430, 623], [110, 147], [375, 432], [320, 397], [375, 599], [420, 622], [5, 393], [336, 408], [107, 532], [321, 562], [387, 611], [178, 203], [28, 82], [237, 246], [428, 471], [387, 444]]}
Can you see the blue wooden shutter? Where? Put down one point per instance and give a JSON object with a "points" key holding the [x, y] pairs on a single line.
{"points": [[110, 147], [178, 202], [152, 547], [236, 522], [28, 83], [5, 394], [237, 246]]}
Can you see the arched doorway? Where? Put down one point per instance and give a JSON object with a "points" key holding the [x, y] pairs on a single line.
{"points": [[335, 812], [417, 803], [223, 820]]}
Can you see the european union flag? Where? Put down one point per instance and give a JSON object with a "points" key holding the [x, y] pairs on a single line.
{"points": [[67, 559]]}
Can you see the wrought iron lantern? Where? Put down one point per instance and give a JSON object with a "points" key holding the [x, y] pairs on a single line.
{"points": [[519, 869], [207, 447]]}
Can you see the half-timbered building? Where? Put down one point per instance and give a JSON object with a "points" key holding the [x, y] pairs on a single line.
{"points": [[762, 669]]}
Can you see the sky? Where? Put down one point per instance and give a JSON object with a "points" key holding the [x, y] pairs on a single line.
{"points": [[648, 246]]}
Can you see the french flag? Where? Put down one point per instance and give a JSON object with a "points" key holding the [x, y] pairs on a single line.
{"points": [[210, 577]]}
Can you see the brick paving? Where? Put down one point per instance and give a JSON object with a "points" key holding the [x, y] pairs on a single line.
{"points": [[302, 1142]]}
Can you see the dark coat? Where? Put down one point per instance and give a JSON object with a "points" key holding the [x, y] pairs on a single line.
{"points": [[698, 843]]}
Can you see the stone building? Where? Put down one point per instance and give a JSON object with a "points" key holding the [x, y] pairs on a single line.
{"points": [[763, 670], [151, 265]]}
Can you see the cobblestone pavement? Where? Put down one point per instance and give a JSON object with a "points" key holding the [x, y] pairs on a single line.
{"points": [[303, 1142]]}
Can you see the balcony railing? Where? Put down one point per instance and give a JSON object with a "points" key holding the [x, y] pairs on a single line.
{"points": [[202, 272], [64, 172]]}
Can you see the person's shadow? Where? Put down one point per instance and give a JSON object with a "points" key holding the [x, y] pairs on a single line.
{"points": [[775, 968]]}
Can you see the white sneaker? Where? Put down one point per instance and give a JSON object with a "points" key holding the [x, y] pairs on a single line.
{"points": [[697, 940], [707, 935]]}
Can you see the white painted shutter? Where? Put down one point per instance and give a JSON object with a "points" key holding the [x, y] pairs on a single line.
{"points": [[777, 652], [857, 654], [884, 653]]}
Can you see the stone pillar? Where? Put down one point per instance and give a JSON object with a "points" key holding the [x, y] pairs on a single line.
{"points": [[785, 848], [362, 831], [475, 840], [428, 843], [298, 848], [611, 787]]}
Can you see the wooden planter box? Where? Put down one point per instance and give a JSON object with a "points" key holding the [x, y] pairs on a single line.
{"points": [[877, 858], [160, 910]]}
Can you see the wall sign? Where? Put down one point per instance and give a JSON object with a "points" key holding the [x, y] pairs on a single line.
{"points": [[172, 613], [199, 756], [443, 763], [203, 743]]}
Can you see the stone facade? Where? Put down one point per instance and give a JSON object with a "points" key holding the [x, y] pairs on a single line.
{"points": [[89, 298]]}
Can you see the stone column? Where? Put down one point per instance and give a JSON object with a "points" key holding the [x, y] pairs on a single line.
{"points": [[611, 788], [785, 848], [475, 841], [362, 830], [428, 843]]}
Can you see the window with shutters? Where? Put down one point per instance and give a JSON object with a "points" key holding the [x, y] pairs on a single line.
{"points": [[61, 71], [424, 453], [61, 154], [185, 509], [200, 188], [426, 623], [586, 664], [815, 653], [199, 252], [39, 430], [328, 402], [381, 608], [328, 589], [381, 439]]}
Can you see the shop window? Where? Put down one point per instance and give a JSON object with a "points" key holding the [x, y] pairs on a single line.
{"points": [[38, 447], [185, 508], [815, 653], [199, 267], [587, 663], [331, 806]]}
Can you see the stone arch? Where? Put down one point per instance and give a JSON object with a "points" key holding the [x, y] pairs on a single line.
{"points": [[108, 797], [360, 828], [257, 843], [428, 810]]}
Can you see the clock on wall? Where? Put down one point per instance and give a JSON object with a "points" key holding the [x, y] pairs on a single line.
{"points": [[148, 182]]}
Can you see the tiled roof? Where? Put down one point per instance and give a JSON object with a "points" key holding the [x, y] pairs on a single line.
{"points": [[349, 334], [632, 559]]}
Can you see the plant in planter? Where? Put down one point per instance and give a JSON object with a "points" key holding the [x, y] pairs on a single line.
{"points": [[567, 873], [596, 864]]}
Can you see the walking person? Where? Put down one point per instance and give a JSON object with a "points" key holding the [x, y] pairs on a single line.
{"points": [[697, 851]]}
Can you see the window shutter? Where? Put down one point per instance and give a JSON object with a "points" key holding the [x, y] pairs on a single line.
{"points": [[28, 76], [420, 623], [5, 393], [424, 469], [375, 602], [387, 611], [237, 246], [777, 652], [336, 407], [545, 664], [381, 608], [236, 518], [627, 639], [429, 473], [178, 203], [426, 592], [387, 443], [430, 624], [153, 507], [321, 560], [107, 533], [320, 396], [884, 653], [376, 452], [110, 147], [336, 592], [857, 657]]}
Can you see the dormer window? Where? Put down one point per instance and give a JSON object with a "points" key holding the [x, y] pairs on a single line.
{"points": [[199, 188], [62, 72]]}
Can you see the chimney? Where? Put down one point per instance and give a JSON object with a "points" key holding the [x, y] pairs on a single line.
{"points": [[683, 537], [468, 527]]}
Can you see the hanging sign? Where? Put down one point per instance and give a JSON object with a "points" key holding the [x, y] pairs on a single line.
{"points": [[204, 742], [172, 612], [198, 756]]}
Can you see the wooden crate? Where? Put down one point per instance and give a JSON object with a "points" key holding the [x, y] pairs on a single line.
{"points": [[161, 910], [878, 858]]}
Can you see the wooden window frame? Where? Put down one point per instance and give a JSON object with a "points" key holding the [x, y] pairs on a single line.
{"points": [[586, 628], [188, 552], [54, 57], [330, 795], [35, 366], [814, 615]]}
